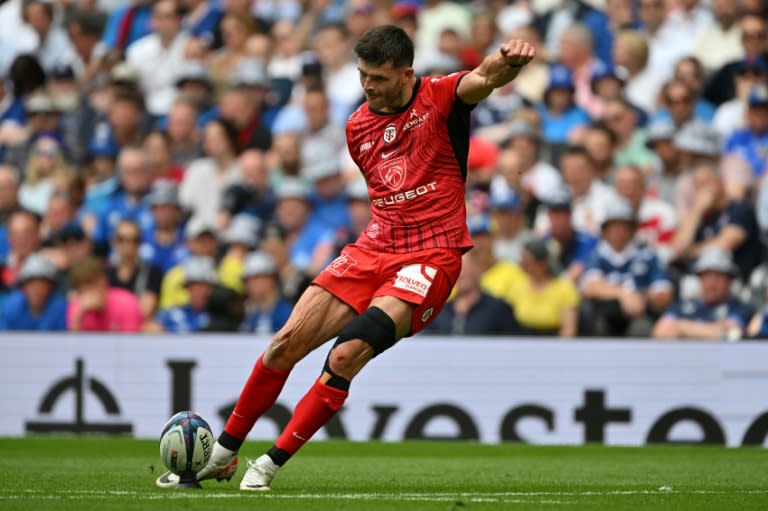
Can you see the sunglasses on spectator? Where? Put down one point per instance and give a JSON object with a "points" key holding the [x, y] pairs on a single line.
{"points": [[754, 35], [682, 100], [127, 239]]}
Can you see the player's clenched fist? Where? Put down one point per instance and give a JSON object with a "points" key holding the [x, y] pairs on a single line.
{"points": [[517, 52]]}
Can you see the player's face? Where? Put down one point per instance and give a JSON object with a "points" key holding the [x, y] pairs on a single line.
{"points": [[385, 86]]}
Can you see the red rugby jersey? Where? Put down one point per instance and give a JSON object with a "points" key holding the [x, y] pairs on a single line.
{"points": [[415, 163]]}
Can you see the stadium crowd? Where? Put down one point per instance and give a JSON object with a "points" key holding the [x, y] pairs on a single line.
{"points": [[181, 165]]}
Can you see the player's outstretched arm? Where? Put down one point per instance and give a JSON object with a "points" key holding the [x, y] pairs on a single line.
{"points": [[495, 71]]}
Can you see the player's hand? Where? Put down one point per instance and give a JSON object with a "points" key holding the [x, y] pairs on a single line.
{"points": [[517, 53]]}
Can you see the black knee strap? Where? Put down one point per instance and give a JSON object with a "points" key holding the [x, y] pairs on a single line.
{"points": [[375, 328]]}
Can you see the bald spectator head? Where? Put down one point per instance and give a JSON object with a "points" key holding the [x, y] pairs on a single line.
{"points": [[754, 36], [182, 122], [254, 169]]}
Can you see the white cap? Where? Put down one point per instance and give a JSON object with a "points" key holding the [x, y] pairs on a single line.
{"points": [[259, 263]]}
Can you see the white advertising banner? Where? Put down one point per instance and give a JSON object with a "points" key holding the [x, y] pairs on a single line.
{"points": [[485, 389]]}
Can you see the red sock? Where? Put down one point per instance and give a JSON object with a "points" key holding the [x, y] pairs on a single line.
{"points": [[313, 411], [259, 394]]}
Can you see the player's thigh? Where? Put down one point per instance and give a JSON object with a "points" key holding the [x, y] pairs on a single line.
{"points": [[317, 317], [400, 311]]}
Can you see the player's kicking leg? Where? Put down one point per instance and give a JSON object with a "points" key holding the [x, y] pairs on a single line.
{"points": [[317, 317], [387, 320]]}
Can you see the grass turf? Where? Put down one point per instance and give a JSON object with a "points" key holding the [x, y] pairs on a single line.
{"points": [[112, 473]]}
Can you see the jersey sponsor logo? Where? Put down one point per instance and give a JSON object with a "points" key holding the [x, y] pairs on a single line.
{"points": [[365, 146], [341, 264], [407, 195], [393, 172], [390, 133], [416, 278], [415, 121]]}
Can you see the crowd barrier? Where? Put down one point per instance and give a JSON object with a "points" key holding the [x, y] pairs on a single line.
{"points": [[484, 389]]}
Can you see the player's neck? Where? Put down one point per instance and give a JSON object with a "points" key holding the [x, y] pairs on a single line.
{"points": [[404, 99]]}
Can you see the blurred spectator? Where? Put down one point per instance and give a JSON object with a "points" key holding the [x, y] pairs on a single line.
{"points": [[128, 271], [564, 14], [589, 195], [243, 105], [575, 247], [162, 245], [600, 142], [544, 303], [70, 246], [206, 179], [510, 232], [45, 164], [157, 147], [23, 240], [331, 44], [358, 211], [721, 42], [481, 39], [715, 313], [9, 189], [667, 169], [319, 128], [751, 143], [576, 43], [754, 41], [183, 133], [329, 203], [60, 211], [608, 81], [194, 85], [34, 305], [473, 311], [310, 245], [656, 219], [621, 118], [679, 102], [192, 316], [644, 77], [125, 119], [224, 61], [96, 307], [625, 284], [201, 241], [286, 62], [559, 113], [690, 18], [716, 220], [496, 276], [127, 24], [84, 30], [690, 72], [54, 46], [696, 143], [129, 200], [266, 310], [100, 180], [240, 238], [292, 280], [201, 20], [42, 120], [538, 176], [731, 115], [252, 194]]}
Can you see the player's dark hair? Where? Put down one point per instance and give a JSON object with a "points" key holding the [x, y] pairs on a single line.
{"points": [[385, 43]]}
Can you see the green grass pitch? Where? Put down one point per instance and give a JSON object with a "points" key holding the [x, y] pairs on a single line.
{"points": [[117, 473]]}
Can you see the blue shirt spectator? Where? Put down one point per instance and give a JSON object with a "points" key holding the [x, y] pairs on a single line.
{"points": [[268, 322], [739, 214], [163, 256], [126, 25], [203, 22], [559, 113], [695, 309], [751, 146], [121, 206], [578, 250], [183, 319], [636, 267], [34, 305]]}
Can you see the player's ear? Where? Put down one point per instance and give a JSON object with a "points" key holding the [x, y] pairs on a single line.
{"points": [[408, 73]]}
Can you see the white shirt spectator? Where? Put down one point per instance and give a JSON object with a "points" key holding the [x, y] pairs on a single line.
{"points": [[665, 48], [343, 98], [587, 212], [729, 117], [158, 69], [444, 15], [57, 50], [539, 181], [715, 47], [22, 36], [202, 188]]}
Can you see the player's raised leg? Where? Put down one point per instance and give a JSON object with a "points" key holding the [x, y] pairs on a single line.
{"points": [[317, 317], [378, 328]]}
